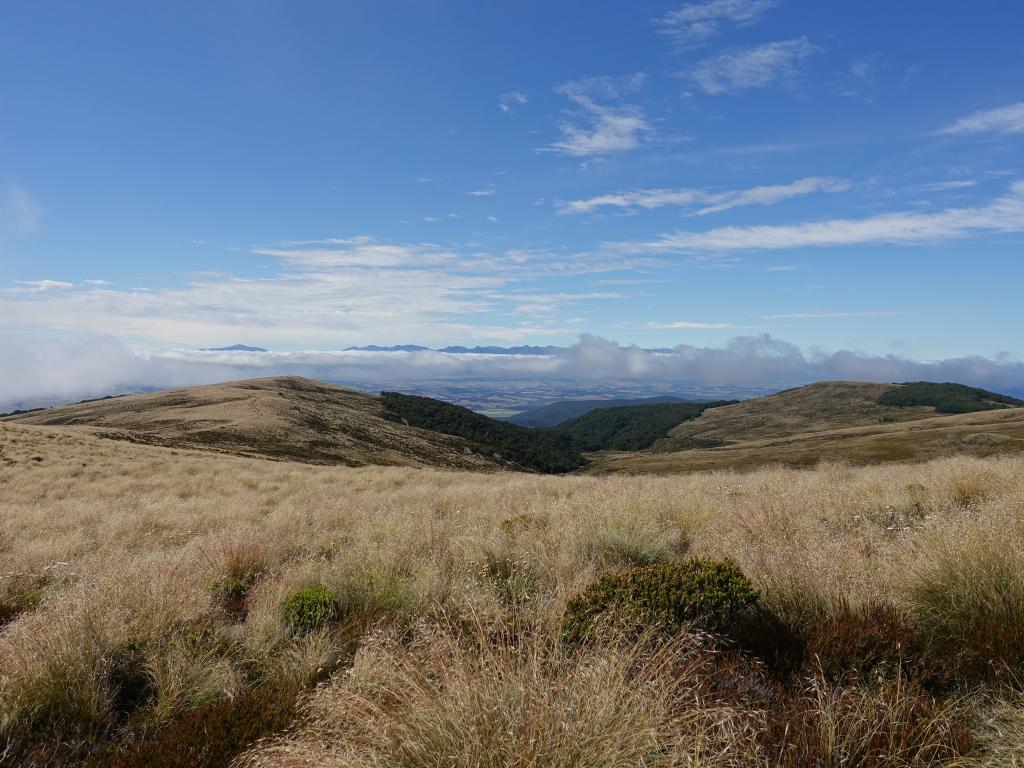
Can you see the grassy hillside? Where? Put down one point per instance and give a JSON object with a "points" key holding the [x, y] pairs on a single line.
{"points": [[816, 407], [946, 398], [143, 598], [989, 433], [288, 418], [536, 449], [555, 413], [630, 428]]}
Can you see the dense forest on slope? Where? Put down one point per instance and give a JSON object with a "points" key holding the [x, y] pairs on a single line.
{"points": [[630, 428], [946, 397], [563, 410], [539, 449]]}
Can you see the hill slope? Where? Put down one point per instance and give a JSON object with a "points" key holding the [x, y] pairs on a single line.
{"points": [[817, 407], [539, 449], [988, 433], [555, 413], [630, 427], [288, 418]]}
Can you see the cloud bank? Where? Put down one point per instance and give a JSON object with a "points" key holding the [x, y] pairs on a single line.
{"points": [[61, 371]]}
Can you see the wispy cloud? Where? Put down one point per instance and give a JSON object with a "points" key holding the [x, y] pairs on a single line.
{"points": [[39, 286], [943, 186], [1003, 214], [20, 214], [485, 192], [692, 24], [327, 291], [827, 314], [1001, 121], [702, 201], [596, 127], [508, 102], [747, 68], [687, 325]]}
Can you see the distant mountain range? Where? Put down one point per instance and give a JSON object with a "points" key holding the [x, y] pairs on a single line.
{"points": [[234, 348]]}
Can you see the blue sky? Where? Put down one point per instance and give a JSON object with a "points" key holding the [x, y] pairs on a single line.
{"points": [[842, 176]]}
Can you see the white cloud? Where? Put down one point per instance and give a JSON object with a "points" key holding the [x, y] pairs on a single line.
{"points": [[39, 286], [1003, 214], [507, 102], [492, 219], [692, 24], [487, 192], [705, 201], [688, 325], [1001, 120], [823, 315], [64, 369], [328, 291], [20, 214], [746, 68], [942, 186], [597, 128]]}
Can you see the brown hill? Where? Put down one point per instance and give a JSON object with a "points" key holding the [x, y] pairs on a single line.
{"points": [[817, 407], [288, 418], [987, 433]]}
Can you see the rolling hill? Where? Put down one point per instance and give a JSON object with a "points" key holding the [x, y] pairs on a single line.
{"points": [[849, 421], [563, 410], [285, 418]]}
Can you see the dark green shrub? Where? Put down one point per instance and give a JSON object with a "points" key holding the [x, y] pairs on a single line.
{"points": [[708, 593], [309, 608]]}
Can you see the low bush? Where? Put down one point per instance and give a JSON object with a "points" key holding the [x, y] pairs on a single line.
{"points": [[309, 608], [710, 594]]}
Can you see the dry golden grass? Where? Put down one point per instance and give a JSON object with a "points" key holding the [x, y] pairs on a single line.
{"points": [[123, 547], [922, 438], [284, 417]]}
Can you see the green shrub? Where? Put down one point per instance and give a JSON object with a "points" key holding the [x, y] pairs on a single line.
{"points": [[309, 608], [708, 593]]}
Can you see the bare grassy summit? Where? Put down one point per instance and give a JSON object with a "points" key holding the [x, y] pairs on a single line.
{"points": [[289, 417], [826, 405]]}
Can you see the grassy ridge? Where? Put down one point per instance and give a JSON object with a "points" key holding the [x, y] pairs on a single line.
{"points": [[537, 449], [630, 428], [946, 397]]}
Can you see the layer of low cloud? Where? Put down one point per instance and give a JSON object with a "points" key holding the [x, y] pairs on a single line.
{"points": [[999, 121], [64, 370], [760, 66], [601, 124], [693, 24], [1003, 214], [702, 201]]}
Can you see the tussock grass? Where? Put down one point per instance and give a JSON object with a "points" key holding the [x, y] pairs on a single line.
{"points": [[131, 635], [509, 696]]}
